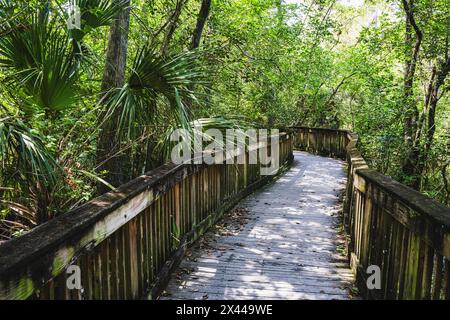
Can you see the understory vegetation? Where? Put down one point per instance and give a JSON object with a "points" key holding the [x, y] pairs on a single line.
{"points": [[89, 89]]}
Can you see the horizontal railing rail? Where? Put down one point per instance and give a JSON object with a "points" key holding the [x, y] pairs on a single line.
{"points": [[322, 141], [389, 226], [125, 243]]}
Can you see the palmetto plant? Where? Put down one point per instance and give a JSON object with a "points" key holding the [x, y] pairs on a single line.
{"points": [[23, 155], [95, 14], [28, 172], [158, 86], [41, 56], [41, 62], [37, 59], [199, 128], [154, 80]]}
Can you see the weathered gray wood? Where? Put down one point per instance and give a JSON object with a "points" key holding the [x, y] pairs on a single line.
{"points": [[39, 258], [283, 247], [256, 295], [287, 240]]}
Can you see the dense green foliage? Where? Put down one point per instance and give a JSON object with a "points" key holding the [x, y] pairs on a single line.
{"points": [[321, 63]]}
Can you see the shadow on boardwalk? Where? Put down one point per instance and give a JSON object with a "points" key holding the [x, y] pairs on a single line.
{"points": [[281, 242]]}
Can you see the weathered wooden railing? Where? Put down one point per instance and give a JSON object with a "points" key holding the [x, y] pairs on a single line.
{"points": [[125, 243], [404, 233]]}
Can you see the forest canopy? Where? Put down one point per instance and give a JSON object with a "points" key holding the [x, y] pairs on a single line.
{"points": [[86, 105]]}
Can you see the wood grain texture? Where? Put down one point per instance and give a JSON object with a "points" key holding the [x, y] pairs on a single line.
{"points": [[280, 243]]}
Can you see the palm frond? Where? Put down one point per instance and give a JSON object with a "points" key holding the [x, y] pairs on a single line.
{"points": [[6, 11], [133, 108], [198, 129], [96, 178], [163, 74], [38, 59], [154, 79], [23, 154], [11, 11], [95, 14]]}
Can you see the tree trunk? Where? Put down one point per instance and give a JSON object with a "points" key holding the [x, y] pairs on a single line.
{"points": [[172, 25], [201, 21], [203, 15], [42, 204], [412, 159], [108, 147], [433, 96]]}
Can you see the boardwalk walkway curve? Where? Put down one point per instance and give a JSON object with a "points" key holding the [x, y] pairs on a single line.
{"points": [[281, 242]]}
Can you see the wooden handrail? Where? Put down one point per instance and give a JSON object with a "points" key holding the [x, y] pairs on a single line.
{"points": [[126, 242], [404, 233]]}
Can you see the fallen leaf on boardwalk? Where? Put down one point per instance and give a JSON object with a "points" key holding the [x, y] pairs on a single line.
{"points": [[205, 297]]}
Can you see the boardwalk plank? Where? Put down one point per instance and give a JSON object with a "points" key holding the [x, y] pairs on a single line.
{"points": [[281, 242]]}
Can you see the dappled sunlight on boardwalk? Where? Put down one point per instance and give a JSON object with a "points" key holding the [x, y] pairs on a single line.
{"points": [[283, 244]]}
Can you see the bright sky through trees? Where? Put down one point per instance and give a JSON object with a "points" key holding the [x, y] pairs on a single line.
{"points": [[353, 3]]}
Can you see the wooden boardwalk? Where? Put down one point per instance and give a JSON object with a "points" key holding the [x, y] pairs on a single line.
{"points": [[281, 242]]}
